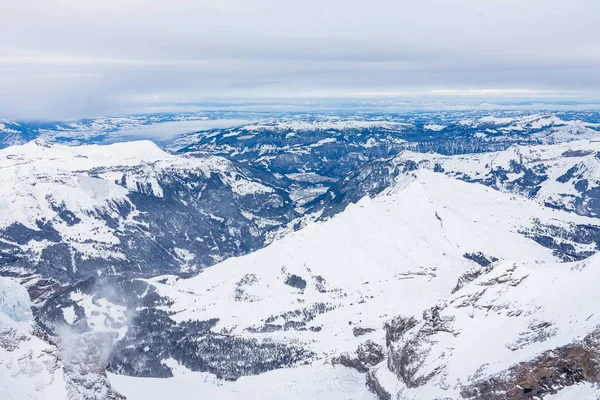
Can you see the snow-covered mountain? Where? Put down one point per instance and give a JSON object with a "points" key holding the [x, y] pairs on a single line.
{"points": [[75, 212], [564, 175], [317, 150], [511, 330], [411, 275], [319, 294]]}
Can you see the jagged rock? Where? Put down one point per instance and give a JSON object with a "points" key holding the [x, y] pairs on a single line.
{"points": [[467, 277], [409, 343], [480, 258], [367, 355], [396, 328], [376, 387]]}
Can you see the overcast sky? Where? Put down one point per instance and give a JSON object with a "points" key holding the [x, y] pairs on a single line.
{"points": [[70, 58]]}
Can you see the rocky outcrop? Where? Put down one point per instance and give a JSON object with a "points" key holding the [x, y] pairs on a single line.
{"points": [[409, 347], [367, 355], [373, 383], [546, 374]]}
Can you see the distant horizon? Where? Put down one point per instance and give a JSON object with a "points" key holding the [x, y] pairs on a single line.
{"points": [[333, 105]]}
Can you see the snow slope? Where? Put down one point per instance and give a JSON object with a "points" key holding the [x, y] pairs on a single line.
{"points": [[399, 253], [494, 328], [323, 382], [428, 242], [29, 367]]}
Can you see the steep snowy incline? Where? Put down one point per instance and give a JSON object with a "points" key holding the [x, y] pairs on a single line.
{"points": [[515, 331], [413, 236], [84, 211], [29, 367], [314, 293]]}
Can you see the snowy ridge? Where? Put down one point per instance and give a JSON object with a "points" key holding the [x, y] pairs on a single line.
{"points": [[417, 274], [524, 122], [447, 245], [83, 207], [565, 175], [413, 230]]}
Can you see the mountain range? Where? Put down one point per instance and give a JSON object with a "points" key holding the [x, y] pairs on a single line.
{"points": [[448, 255]]}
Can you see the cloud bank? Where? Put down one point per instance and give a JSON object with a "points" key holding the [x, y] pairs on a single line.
{"points": [[71, 58]]}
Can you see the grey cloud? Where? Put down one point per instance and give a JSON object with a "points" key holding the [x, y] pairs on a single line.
{"points": [[68, 58]]}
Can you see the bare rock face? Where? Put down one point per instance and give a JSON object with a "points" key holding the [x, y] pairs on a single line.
{"points": [[409, 344], [547, 374], [396, 328], [373, 383], [360, 331], [368, 354]]}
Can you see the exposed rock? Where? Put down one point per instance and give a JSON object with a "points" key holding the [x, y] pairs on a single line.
{"points": [[546, 374], [467, 277], [367, 355], [396, 328], [376, 387], [407, 353], [480, 258], [360, 331], [295, 281]]}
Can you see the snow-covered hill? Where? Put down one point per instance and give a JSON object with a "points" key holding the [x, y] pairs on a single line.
{"points": [[319, 294], [414, 276], [75, 212], [563, 176]]}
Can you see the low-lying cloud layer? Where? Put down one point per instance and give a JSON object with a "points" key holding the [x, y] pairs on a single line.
{"points": [[68, 58]]}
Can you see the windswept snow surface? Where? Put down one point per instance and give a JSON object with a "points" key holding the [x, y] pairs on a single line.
{"points": [[323, 382]]}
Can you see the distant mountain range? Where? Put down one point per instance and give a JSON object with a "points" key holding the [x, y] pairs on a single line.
{"points": [[449, 255]]}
